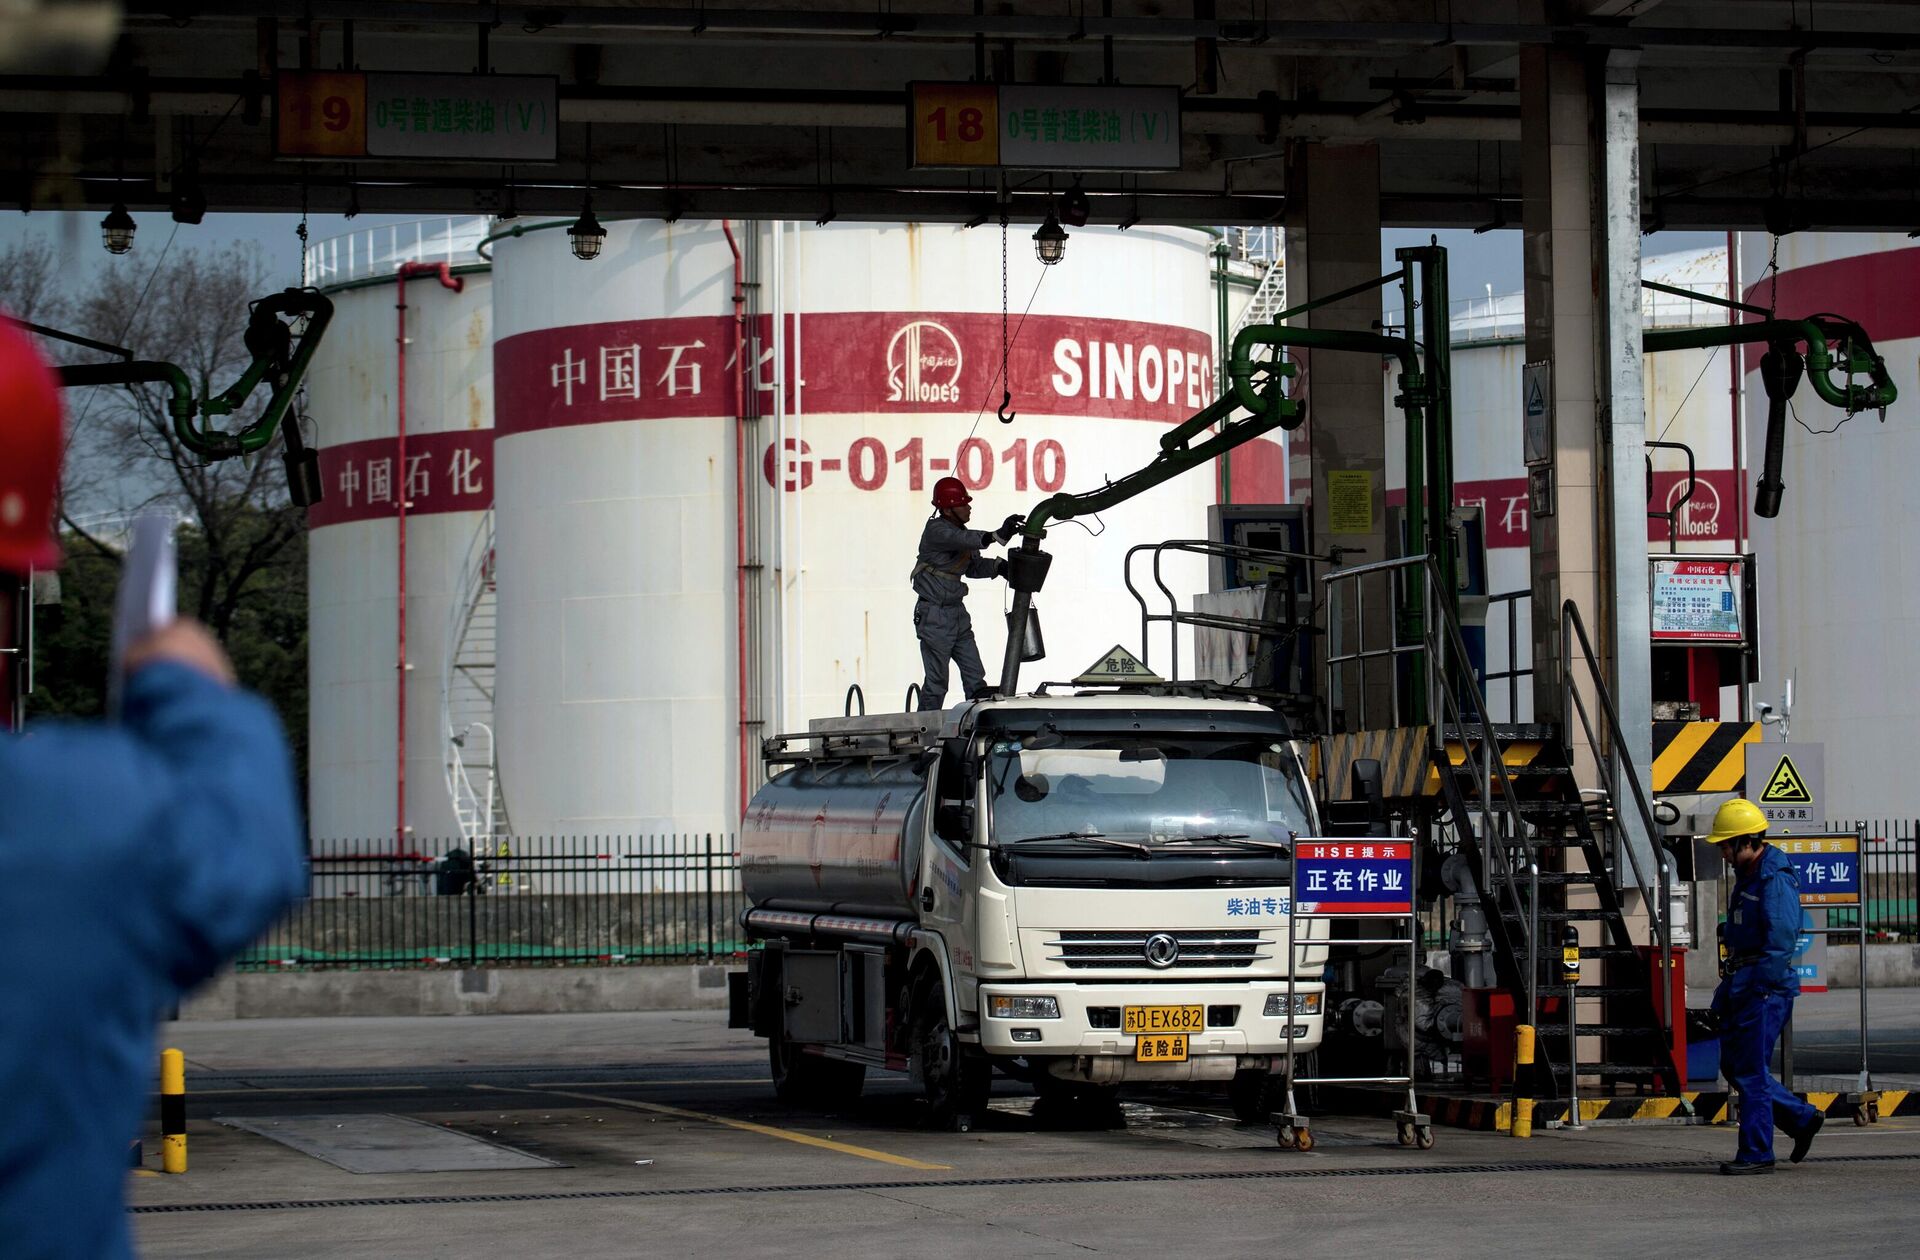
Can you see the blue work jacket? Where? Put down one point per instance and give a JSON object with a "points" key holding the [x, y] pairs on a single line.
{"points": [[135, 858], [949, 552], [1763, 929]]}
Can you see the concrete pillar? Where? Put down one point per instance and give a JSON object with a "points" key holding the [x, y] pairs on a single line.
{"points": [[1581, 196], [1333, 243]]}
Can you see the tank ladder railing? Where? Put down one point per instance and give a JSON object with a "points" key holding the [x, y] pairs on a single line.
{"points": [[1614, 769], [1455, 698], [479, 807], [1294, 626]]}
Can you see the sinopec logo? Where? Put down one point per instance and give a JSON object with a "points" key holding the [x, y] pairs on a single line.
{"points": [[1699, 515], [923, 364]]}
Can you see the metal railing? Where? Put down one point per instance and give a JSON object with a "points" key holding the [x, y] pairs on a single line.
{"points": [[1453, 701], [1889, 883], [1503, 316], [634, 899], [1262, 245], [375, 252], [1613, 769], [1510, 606]]}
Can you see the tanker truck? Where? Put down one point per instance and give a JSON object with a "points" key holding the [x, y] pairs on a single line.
{"points": [[1077, 890]]}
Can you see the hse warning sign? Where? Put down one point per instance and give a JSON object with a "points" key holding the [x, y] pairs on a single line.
{"points": [[1786, 787], [1118, 665], [1787, 782]]}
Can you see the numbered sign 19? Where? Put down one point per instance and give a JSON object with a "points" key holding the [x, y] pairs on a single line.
{"points": [[320, 113]]}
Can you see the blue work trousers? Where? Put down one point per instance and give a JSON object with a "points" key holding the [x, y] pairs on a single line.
{"points": [[1746, 1044], [946, 635]]}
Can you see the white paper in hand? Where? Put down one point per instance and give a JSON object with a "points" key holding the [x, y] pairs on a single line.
{"points": [[148, 599]]}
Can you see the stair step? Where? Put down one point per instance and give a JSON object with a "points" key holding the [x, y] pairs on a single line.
{"points": [[1639, 1070], [1562, 916], [1552, 1029]]}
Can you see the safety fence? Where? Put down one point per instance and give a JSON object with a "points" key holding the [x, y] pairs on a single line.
{"points": [[1889, 886], [522, 902]]}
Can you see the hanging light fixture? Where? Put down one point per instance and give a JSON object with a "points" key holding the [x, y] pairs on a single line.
{"points": [[1075, 207], [587, 234], [117, 229], [1050, 242]]}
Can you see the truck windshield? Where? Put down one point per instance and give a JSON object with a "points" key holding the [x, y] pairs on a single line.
{"points": [[1178, 792]]}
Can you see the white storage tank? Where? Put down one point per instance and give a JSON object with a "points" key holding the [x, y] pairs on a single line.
{"points": [[1688, 401], [620, 630], [1839, 608], [355, 582]]}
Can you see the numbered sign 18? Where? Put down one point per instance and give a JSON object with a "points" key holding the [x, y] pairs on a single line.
{"points": [[955, 124]]}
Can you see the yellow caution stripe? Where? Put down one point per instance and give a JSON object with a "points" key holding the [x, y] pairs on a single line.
{"points": [[1401, 752], [1701, 756]]}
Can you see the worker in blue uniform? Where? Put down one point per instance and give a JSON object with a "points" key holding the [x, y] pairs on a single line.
{"points": [[949, 551], [135, 858], [1755, 998]]}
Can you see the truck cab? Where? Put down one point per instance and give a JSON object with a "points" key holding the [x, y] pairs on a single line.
{"points": [[1081, 891]]}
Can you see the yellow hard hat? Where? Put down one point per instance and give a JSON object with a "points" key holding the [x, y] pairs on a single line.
{"points": [[1738, 817]]}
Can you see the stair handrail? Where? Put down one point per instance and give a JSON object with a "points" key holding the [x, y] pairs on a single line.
{"points": [[460, 610], [1572, 628], [1493, 856]]}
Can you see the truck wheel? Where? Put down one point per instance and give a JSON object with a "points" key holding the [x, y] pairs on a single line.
{"points": [[957, 1078], [1252, 1094], [801, 1080]]}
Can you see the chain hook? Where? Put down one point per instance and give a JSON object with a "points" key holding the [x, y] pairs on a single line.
{"points": [[1006, 400]]}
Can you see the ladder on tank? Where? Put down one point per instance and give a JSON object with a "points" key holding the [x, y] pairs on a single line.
{"points": [[1546, 856], [466, 697]]}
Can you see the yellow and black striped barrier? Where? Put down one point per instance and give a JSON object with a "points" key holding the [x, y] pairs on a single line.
{"points": [[173, 1111], [1521, 1124], [1701, 756], [1521, 1116]]}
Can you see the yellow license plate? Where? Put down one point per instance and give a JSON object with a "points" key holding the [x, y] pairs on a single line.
{"points": [[1163, 1019], [1167, 1048]]}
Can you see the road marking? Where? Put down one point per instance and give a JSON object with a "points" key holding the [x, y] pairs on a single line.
{"points": [[306, 1089], [745, 1126]]}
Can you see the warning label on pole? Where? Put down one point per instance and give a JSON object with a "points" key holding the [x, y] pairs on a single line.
{"points": [[1787, 782]]}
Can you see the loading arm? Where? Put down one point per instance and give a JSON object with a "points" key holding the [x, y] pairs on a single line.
{"points": [[280, 357], [1833, 373]]}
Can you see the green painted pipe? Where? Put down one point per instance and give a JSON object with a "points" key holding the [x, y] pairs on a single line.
{"points": [[1815, 332]]}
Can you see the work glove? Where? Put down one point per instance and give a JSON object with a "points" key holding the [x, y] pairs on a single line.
{"points": [[1009, 526], [999, 568]]}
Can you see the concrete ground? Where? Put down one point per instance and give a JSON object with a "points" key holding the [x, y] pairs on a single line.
{"points": [[672, 1143]]}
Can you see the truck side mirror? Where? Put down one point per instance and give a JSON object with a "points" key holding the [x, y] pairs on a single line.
{"points": [[954, 824], [1369, 786], [958, 773]]}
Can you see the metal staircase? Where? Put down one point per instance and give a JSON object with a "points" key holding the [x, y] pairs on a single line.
{"points": [[466, 696], [1545, 854], [1267, 301]]}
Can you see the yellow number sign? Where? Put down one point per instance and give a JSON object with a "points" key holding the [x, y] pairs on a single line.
{"points": [[955, 124], [320, 113]]}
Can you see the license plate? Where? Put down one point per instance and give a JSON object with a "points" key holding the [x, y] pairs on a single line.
{"points": [[1168, 1048], [1163, 1019]]}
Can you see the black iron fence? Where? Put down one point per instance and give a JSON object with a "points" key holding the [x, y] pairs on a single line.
{"points": [[519, 901], [1889, 884]]}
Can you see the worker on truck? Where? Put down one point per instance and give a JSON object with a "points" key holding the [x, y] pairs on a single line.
{"points": [[1755, 1000], [950, 551]]}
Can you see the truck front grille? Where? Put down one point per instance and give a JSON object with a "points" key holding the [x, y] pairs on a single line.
{"points": [[1212, 948]]}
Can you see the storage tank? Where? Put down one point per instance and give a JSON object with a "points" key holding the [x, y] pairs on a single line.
{"points": [[355, 581], [874, 364], [1688, 401], [840, 837], [1838, 605]]}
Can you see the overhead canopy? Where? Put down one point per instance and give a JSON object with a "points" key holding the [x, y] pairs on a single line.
{"points": [[799, 109]]}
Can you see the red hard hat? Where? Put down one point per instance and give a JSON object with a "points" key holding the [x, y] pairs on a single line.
{"points": [[949, 493], [30, 443]]}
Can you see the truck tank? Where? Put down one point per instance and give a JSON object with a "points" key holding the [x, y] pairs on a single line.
{"points": [[836, 837]]}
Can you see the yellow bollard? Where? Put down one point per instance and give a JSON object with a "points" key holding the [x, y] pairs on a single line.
{"points": [[1522, 1068], [173, 1111]]}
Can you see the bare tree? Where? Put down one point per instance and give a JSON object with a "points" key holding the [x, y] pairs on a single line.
{"points": [[194, 315], [33, 284]]}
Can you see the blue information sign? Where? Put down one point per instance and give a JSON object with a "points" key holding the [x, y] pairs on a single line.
{"points": [[1357, 877], [1828, 866]]}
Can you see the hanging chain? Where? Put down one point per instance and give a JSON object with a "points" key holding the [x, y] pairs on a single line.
{"points": [[1006, 340]]}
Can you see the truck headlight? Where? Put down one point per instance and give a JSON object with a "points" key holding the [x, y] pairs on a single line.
{"points": [[1303, 1004], [1023, 1006]]}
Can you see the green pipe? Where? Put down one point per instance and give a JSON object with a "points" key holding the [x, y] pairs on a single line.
{"points": [[140, 372], [518, 229], [1815, 332], [1220, 368]]}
